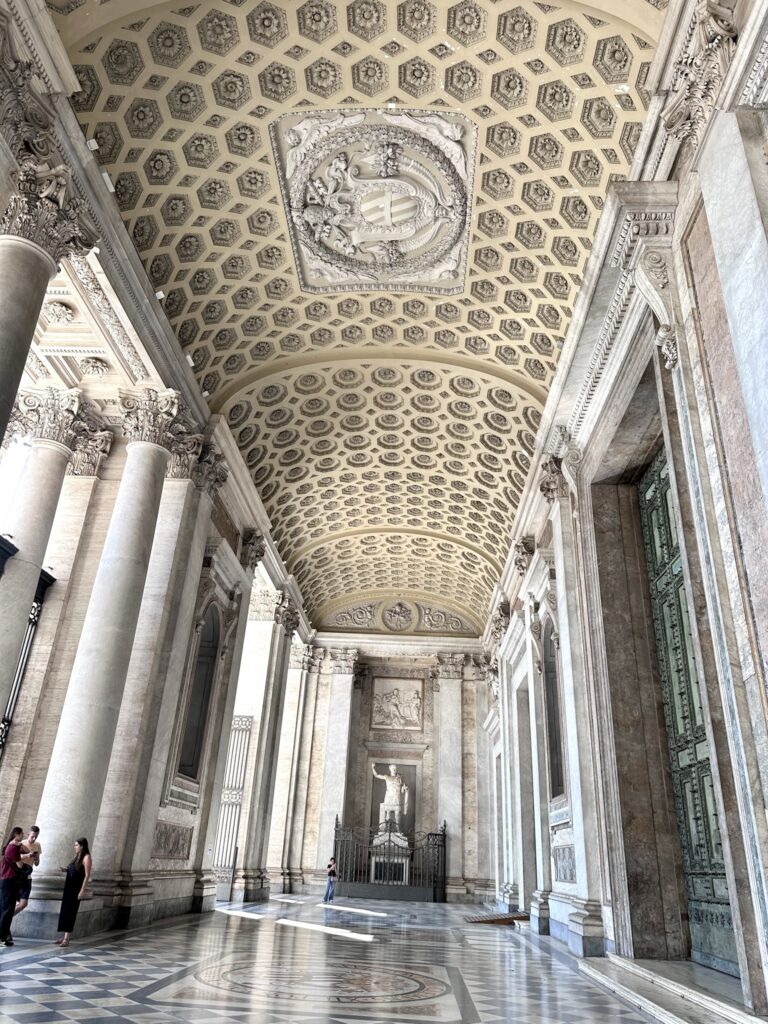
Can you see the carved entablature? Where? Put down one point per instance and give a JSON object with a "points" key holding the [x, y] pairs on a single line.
{"points": [[522, 552], [701, 71], [286, 614], [552, 484], [343, 661], [644, 248], [103, 307], [252, 549]]}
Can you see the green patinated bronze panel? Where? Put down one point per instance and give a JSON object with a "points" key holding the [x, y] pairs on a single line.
{"points": [[709, 909]]}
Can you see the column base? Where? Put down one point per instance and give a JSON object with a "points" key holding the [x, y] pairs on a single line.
{"points": [[251, 886], [586, 936], [539, 912], [507, 898]]}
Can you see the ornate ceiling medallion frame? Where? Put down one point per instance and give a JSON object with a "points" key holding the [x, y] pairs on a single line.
{"points": [[377, 200]]}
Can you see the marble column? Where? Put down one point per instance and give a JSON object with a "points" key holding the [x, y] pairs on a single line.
{"points": [[286, 770], [37, 229], [251, 878], [539, 906], [56, 422], [524, 831], [506, 882], [585, 924], [155, 674], [313, 659], [336, 750], [82, 751], [449, 676]]}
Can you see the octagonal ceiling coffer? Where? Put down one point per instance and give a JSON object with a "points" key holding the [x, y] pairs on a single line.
{"points": [[377, 200]]}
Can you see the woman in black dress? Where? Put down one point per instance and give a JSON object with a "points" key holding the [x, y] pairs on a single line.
{"points": [[78, 874]]}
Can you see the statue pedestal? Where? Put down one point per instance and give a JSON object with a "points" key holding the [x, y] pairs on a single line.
{"points": [[390, 859]]}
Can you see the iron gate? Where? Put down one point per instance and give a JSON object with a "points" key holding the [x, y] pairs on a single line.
{"points": [[383, 864]]}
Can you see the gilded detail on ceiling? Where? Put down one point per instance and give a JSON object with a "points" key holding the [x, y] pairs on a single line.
{"points": [[455, 156], [377, 199]]}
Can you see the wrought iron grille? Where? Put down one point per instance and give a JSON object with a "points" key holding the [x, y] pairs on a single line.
{"points": [[384, 864]]}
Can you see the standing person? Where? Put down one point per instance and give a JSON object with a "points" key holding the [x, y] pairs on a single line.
{"points": [[78, 875], [32, 847], [330, 885], [12, 862]]}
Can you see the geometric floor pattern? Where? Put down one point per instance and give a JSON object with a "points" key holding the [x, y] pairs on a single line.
{"points": [[293, 961]]}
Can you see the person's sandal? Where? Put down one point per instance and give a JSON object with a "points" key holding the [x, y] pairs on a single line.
{"points": [[64, 942]]}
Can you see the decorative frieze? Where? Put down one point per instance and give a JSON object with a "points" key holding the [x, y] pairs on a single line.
{"points": [[253, 549], [701, 71], [109, 318]]}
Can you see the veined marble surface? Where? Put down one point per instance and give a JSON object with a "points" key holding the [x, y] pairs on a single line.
{"points": [[295, 960]]}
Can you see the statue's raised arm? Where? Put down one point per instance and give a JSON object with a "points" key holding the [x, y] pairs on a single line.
{"points": [[373, 769]]}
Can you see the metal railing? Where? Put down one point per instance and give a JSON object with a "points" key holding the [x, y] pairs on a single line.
{"points": [[382, 863]]}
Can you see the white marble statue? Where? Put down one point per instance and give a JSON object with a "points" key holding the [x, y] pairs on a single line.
{"points": [[395, 803]]}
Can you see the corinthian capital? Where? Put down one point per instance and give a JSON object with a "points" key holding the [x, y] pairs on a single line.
{"points": [[92, 442], [42, 211], [552, 484], [448, 666], [253, 549], [185, 448], [149, 415], [210, 472], [286, 614], [343, 660], [46, 414], [52, 414]]}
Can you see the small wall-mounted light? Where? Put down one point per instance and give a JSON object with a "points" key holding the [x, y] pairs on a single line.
{"points": [[190, 360], [92, 144], [206, 393], [108, 181], [160, 295]]}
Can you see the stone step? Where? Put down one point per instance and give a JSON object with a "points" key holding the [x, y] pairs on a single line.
{"points": [[727, 1008], [659, 998]]}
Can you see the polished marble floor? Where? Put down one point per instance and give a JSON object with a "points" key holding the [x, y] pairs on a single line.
{"points": [[293, 960]]}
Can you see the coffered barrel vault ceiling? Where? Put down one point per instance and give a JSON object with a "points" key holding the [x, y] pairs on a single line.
{"points": [[370, 221]]}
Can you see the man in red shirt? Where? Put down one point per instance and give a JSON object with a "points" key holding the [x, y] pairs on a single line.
{"points": [[12, 861]]}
